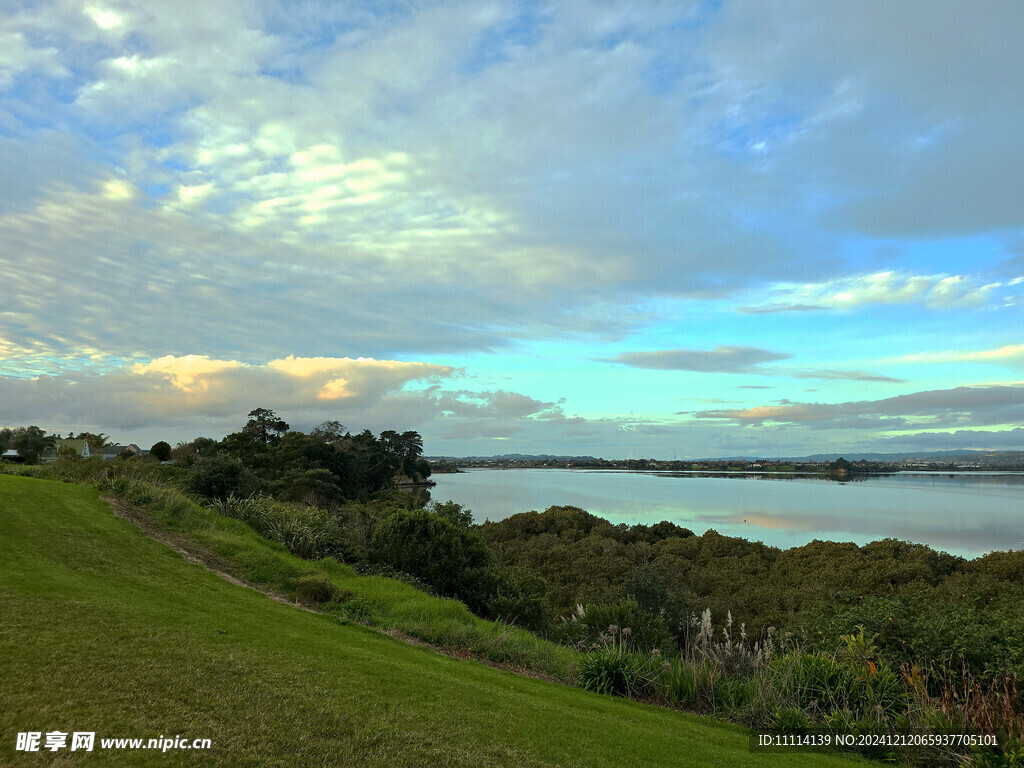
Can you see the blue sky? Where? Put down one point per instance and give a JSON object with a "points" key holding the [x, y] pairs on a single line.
{"points": [[600, 228]]}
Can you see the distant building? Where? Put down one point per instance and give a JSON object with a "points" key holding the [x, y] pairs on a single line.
{"points": [[111, 452], [11, 455], [81, 447]]}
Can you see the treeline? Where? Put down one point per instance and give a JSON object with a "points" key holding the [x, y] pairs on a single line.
{"points": [[322, 468], [326, 466]]}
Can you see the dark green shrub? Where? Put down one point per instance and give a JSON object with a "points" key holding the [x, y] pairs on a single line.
{"points": [[449, 558], [519, 597], [887, 691], [220, 476], [618, 669], [678, 683], [317, 589], [453, 513], [791, 721], [584, 629], [608, 671], [813, 680], [732, 694], [1009, 755]]}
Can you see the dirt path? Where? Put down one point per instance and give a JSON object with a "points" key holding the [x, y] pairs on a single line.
{"points": [[221, 567], [190, 550]]}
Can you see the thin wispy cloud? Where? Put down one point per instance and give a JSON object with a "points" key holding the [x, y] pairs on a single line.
{"points": [[1010, 354]]}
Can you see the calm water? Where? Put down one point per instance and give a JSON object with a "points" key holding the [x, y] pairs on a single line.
{"points": [[964, 513]]}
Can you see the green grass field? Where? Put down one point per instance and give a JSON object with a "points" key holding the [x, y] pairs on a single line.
{"points": [[105, 629]]}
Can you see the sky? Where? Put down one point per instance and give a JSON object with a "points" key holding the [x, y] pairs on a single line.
{"points": [[591, 228]]}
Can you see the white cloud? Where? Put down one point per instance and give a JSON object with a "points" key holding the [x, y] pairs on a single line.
{"points": [[104, 18], [1009, 354], [18, 57], [929, 409], [888, 287], [191, 389]]}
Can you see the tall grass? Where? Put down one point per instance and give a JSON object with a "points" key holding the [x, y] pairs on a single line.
{"points": [[774, 685], [306, 532]]}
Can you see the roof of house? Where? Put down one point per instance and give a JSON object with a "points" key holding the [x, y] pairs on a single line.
{"points": [[114, 450], [76, 443]]}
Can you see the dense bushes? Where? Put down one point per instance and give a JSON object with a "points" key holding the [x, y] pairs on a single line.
{"points": [[924, 606], [450, 558], [586, 626], [220, 476]]}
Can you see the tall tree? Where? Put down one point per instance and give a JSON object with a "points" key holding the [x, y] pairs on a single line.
{"points": [[95, 441], [329, 432], [265, 425], [161, 451], [30, 442], [411, 447]]}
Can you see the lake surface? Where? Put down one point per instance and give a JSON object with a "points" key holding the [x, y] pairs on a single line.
{"points": [[967, 513]]}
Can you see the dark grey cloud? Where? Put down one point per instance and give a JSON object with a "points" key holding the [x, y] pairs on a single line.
{"points": [[723, 359]]}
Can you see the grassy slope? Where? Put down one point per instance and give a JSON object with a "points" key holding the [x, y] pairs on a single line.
{"points": [[104, 629]]}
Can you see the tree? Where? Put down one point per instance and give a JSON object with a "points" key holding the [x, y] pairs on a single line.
{"points": [[68, 453], [202, 445], [403, 450], [186, 453], [329, 432], [161, 451], [218, 477], [265, 425], [453, 560], [95, 441], [30, 442], [412, 448], [456, 514]]}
